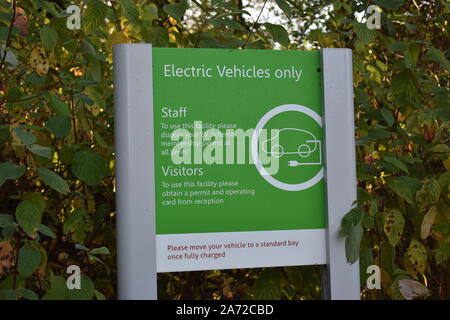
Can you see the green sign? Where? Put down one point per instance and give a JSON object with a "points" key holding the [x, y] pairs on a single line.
{"points": [[238, 140]]}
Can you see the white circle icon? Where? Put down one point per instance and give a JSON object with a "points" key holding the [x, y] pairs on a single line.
{"points": [[255, 154]]}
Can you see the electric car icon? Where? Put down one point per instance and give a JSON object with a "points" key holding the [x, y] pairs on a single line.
{"points": [[304, 147]]}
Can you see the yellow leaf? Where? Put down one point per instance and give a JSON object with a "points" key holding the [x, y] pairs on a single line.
{"points": [[417, 255], [447, 163], [427, 222], [115, 38], [393, 225], [39, 61]]}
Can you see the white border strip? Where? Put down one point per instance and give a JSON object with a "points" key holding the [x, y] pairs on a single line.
{"points": [[288, 248], [135, 195], [340, 177]]}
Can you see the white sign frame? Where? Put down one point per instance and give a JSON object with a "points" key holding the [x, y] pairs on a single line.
{"points": [[135, 175]]}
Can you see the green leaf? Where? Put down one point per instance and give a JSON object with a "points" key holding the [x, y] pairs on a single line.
{"points": [[50, 7], [351, 219], [443, 180], [4, 132], [364, 34], [393, 225], [393, 160], [41, 151], [27, 294], [278, 33], [442, 227], [443, 253], [86, 292], [26, 137], [150, 12], [101, 250], [390, 4], [8, 294], [440, 148], [99, 295], [59, 107], [387, 257], [377, 134], [7, 226], [58, 289], [130, 10], [28, 216], [403, 86], [53, 180], [398, 46], [36, 198], [46, 231], [412, 54], [268, 285], [59, 125], [352, 243], [5, 220], [29, 260], [49, 37], [365, 260], [388, 117], [158, 36], [436, 55], [285, 7], [95, 15], [101, 142], [176, 10], [405, 187], [89, 167], [9, 170], [73, 221], [79, 246]]}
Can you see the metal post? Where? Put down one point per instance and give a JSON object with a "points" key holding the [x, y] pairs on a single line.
{"points": [[343, 279], [135, 178]]}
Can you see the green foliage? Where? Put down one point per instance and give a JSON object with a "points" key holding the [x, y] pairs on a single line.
{"points": [[9, 170], [28, 217], [53, 180], [278, 33], [59, 125], [29, 258], [57, 155], [89, 167], [130, 10], [176, 10], [49, 37]]}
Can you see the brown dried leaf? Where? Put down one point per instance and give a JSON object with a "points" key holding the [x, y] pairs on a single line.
{"points": [[6, 257], [21, 21]]}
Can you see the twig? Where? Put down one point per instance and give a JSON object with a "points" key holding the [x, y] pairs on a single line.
{"points": [[205, 21], [116, 17], [8, 38], [254, 25]]}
